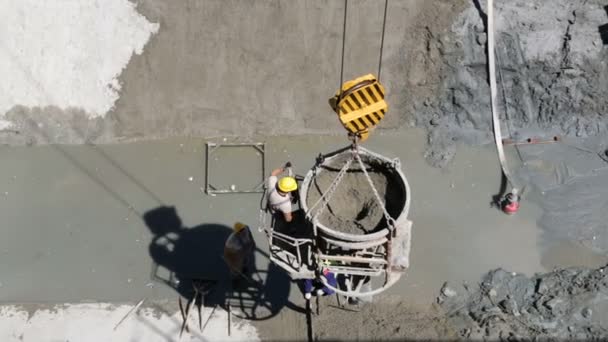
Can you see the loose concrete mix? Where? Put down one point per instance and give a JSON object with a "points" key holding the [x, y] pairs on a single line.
{"points": [[353, 207], [552, 80], [552, 75], [565, 304]]}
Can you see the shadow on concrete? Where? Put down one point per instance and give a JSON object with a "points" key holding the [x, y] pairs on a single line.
{"points": [[47, 136], [482, 14], [604, 30], [181, 255]]}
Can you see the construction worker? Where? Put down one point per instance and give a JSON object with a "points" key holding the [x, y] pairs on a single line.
{"points": [[238, 250], [280, 193], [316, 286]]}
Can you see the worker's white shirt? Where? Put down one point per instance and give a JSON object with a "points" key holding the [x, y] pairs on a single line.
{"points": [[276, 202]]}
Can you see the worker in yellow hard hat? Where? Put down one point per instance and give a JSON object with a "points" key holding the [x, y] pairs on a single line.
{"points": [[280, 193]]}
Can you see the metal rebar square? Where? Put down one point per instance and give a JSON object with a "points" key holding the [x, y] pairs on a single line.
{"points": [[234, 168]]}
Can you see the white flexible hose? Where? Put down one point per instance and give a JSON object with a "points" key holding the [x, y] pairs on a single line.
{"points": [[493, 91]]}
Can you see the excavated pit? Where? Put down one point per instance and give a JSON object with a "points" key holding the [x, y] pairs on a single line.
{"points": [[353, 208]]}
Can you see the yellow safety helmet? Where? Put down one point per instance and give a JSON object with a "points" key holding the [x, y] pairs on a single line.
{"points": [[287, 184], [239, 226]]}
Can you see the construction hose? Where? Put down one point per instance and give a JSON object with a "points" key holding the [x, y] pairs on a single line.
{"points": [[493, 95]]}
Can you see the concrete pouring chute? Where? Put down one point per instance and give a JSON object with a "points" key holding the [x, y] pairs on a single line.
{"points": [[353, 221]]}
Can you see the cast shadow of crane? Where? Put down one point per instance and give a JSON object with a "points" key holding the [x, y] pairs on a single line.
{"points": [[181, 255]]}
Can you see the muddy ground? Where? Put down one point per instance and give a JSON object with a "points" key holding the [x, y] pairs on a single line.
{"points": [[551, 66], [564, 304]]}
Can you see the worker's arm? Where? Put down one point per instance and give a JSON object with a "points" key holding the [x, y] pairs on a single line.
{"points": [[288, 217], [280, 170], [277, 172]]}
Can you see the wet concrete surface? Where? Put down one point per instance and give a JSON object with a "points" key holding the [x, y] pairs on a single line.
{"points": [[73, 228], [572, 184], [241, 67], [233, 67]]}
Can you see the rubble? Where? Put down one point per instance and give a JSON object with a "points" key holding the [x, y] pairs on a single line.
{"points": [[564, 304]]}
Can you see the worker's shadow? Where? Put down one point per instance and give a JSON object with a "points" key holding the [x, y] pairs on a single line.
{"points": [[181, 255]]}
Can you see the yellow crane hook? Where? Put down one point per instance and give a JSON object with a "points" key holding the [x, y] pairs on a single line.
{"points": [[360, 105]]}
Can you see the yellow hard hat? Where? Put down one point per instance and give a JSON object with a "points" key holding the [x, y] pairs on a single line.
{"points": [[239, 226], [287, 184]]}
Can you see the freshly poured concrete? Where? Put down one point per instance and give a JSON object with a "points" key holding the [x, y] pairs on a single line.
{"points": [[73, 230]]}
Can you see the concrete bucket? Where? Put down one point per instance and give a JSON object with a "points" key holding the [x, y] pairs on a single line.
{"points": [[356, 204]]}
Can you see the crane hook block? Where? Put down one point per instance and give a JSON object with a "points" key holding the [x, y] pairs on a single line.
{"points": [[360, 105]]}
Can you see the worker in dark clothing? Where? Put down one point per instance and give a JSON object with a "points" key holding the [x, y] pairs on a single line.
{"points": [[316, 287], [238, 251]]}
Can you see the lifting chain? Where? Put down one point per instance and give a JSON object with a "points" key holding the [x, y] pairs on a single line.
{"points": [[389, 220], [326, 197]]}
